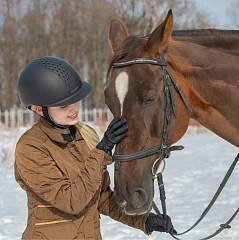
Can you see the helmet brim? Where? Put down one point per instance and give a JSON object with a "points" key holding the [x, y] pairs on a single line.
{"points": [[80, 94]]}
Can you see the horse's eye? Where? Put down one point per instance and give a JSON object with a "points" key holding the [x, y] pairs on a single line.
{"points": [[148, 100]]}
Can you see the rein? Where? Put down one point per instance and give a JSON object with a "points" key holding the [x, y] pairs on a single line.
{"points": [[163, 149]]}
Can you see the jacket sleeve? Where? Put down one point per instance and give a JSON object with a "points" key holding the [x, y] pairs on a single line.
{"points": [[40, 174], [109, 207]]}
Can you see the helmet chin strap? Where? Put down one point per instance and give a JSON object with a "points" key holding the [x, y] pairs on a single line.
{"points": [[50, 119]]}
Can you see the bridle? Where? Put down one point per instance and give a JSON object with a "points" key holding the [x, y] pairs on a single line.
{"points": [[163, 150], [169, 109]]}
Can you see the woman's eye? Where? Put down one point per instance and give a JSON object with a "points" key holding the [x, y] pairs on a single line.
{"points": [[148, 100], [63, 106]]}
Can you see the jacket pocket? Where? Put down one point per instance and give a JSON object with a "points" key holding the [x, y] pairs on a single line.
{"points": [[52, 224], [49, 213], [55, 231]]}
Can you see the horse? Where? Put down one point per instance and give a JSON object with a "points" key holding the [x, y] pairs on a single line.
{"points": [[158, 83]]}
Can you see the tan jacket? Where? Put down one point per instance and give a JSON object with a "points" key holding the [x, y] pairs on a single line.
{"points": [[67, 186]]}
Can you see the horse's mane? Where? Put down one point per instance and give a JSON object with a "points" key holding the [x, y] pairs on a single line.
{"points": [[205, 33], [223, 40]]}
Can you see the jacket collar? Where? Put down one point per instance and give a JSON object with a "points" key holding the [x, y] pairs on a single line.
{"points": [[57, 134]]}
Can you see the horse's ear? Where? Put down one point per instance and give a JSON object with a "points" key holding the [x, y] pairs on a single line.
{"points": [[159, 38], [117, 34]]}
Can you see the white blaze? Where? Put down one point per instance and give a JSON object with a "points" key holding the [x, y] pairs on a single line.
{"points": [[121, 87]]}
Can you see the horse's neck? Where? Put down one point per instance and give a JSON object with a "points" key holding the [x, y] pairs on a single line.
{"points": [[208, 65], [212, 78], [226, 40]]}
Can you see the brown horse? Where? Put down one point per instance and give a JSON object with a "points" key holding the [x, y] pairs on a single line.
{"points": [[207, 74]]}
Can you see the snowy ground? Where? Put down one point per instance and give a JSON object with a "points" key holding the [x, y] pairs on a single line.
{"points": [[191, 178]]}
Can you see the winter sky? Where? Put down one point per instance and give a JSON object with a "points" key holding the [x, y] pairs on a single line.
{"points": [[217, 10]]}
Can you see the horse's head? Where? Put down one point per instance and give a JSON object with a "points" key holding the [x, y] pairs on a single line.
{"points": [[137, 92]]}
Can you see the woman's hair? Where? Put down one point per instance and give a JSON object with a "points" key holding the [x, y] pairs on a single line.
{"points": [[89, 135]]}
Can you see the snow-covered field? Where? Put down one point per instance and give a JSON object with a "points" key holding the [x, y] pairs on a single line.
{"points": [[191, 178]]}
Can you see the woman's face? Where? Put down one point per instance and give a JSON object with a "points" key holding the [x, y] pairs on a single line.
{"points": [[65, 115]]}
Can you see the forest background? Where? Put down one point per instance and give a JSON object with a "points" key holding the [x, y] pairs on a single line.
{"points": [[77, 30]]}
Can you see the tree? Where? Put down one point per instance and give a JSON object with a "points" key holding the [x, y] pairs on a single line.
{"points": [[141, 17], [9, 62], [78, 32]]}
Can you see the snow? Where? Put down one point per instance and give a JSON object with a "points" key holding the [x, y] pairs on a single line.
{"points": [[191, 178]]}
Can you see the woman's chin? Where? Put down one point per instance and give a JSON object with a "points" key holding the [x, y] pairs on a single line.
{"points": [[69, 121], [73, 122]]}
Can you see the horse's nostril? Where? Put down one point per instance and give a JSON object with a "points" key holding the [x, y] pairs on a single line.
{"points": [[140, 198]]}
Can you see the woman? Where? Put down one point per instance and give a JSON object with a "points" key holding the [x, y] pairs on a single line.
{"points": [[60, 162]]}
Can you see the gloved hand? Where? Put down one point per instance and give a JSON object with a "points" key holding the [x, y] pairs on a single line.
{"points": [[158, 223], [115, 132]]}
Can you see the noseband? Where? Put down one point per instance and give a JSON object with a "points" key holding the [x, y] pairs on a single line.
{"points": [[169, 109]]}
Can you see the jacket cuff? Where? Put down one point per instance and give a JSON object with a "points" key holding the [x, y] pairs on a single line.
{"points": [[143, 226], [106, 158]]}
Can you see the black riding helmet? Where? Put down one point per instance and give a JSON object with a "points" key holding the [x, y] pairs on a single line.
{"points": [[50, 81]]}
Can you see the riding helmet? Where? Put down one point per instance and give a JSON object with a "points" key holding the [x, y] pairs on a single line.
{"points": [[50, 81]]}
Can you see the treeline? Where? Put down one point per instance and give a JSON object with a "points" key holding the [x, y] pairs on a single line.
{"points": [[76, 30]]}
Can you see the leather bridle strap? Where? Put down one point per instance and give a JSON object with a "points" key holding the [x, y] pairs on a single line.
{"points": [[222, 227], [219, 230], [160, 62], [216, 195]]}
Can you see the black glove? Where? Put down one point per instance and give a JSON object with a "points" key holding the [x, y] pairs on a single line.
{"points": [[158, 223], [115, 132]]}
